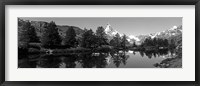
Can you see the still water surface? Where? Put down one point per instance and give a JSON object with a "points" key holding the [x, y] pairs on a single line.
{"points": [[120, 59]]}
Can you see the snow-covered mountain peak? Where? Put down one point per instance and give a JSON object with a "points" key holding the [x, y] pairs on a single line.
{"points": [[174, 31], [134, 37], [109, 30]]}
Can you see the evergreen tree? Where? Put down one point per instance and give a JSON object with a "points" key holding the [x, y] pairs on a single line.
{"points": [[172, 44], [155, 43], [23, 32], [124, 41], [50, 36], [166, 44], [134, 45], [116, 41], [148, 42], [89, 40], [80, 37], [101, 36], [70, 40], [26, 34], [33, 35]]}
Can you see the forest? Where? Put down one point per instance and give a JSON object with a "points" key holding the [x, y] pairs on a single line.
{"points": [[51, 41]]}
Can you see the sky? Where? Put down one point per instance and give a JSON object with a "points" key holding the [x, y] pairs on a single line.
{"points": [[124, 25]]}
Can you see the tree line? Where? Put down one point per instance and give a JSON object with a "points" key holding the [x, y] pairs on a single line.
{"points": [[50, 38], [157, 43]]}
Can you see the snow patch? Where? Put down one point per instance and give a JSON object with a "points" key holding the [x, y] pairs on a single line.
{"points": [[130, 51], [134, 37], [174, 27]]}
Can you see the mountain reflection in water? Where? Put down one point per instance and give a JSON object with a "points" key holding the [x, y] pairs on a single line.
{"points": [[114, 59]]}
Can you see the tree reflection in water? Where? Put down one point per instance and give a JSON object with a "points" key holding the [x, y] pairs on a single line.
{"points": [[68, 61], [48, 61], [119, 57], [155, 53], [91, 60], [85, 60]]}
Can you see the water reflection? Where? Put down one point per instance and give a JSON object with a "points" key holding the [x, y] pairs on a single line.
{"points": [[91, 60], [119, 57], [112, 59]]}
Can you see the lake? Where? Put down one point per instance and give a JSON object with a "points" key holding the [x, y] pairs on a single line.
{"points": [[116, 59]]}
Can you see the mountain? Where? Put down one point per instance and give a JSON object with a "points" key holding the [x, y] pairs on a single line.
{"points": [[40, 26], [167, 34], [174, 31], [63, 28], [112, 32]]}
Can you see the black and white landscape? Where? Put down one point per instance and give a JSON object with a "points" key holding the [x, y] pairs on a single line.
{"points": [[104, 42]]}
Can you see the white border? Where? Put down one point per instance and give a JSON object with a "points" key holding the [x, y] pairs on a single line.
{"points": [[187, 73]]}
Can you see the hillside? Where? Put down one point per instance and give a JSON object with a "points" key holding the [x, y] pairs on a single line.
{"points": [[40, 26]]}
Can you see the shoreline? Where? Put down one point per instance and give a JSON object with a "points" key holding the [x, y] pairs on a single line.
{"points": [[170, 63]]}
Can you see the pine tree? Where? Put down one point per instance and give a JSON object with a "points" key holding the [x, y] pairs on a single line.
{"points": [[23, 31], [124, 41], [116, 41], [134, 45], [166, 44], [33, 35], [50, 36], [26, 33], [70, 40], [101, 36], [89, 40], [80, 37], [155, 43], [172, 44]]}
